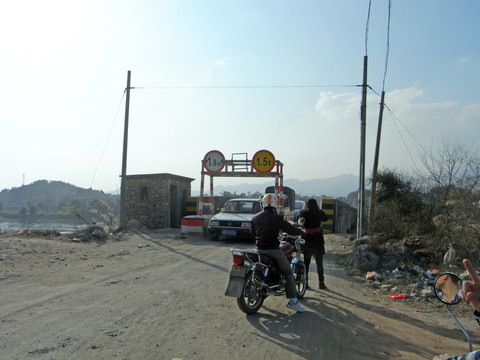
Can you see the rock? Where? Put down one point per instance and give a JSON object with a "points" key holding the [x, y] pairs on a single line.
{"points": [[361, 260], [359, 242], [386, 287], [133, 224], [98, 233], [428, 292]]}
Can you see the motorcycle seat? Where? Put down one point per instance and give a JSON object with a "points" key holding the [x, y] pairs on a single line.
{"points": [[265, 259]]}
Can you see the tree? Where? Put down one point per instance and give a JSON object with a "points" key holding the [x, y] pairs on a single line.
{"points": [[452, 193], [399, 210]]}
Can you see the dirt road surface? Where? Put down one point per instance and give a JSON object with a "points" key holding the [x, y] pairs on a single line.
{"points": [[160, 295]]}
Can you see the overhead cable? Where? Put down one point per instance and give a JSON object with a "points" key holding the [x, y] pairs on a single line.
{"points": [[397, 121], [108, 137], [240, 87]]}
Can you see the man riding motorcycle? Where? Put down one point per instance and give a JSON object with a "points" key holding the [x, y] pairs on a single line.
{"points": [[265, 228]]}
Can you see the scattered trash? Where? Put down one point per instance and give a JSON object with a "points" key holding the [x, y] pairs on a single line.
{"points": [[398, 296], [372, 275], [450, 255], [417, 269]]}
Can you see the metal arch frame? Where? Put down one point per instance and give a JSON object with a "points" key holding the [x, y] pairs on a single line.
{"points": [[240, 168]]}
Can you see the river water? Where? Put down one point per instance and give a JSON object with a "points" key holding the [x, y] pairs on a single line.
{"points": [[57, 226]]}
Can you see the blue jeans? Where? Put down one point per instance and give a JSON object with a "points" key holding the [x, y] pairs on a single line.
{"points": [[284, 265]]}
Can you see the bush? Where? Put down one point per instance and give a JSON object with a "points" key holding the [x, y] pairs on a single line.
{"points": [[399, 209]]}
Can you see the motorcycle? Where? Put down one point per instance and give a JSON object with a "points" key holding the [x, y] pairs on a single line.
{"points": [[448, 289], [253, 277]]}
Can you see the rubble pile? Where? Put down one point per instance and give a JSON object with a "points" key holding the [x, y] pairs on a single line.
{"points": [[90, 233], [400, 273]]}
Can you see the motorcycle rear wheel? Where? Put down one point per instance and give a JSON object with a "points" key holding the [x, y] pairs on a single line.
{"points": [[252, 299]]}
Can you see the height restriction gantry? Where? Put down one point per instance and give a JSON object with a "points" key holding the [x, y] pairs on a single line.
{"points": [[263, 164]]}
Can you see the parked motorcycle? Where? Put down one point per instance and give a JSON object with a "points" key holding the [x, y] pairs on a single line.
{"points": [[254, 277], [448, 289]]}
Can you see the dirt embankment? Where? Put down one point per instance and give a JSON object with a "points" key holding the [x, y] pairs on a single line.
{"points": [[158, 295]]}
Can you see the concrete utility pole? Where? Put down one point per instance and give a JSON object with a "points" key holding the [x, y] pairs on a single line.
{"points": [[363, 116], [377, 154], [124, 158]]}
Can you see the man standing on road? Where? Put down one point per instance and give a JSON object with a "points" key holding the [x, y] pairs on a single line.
{"points": [[265, 228]]}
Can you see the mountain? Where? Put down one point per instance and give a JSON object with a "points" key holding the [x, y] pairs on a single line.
{"points": [[43, 200], [52, 192], [337, 186]]}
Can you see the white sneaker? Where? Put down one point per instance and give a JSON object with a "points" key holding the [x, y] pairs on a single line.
{"points": [[297, 307]]}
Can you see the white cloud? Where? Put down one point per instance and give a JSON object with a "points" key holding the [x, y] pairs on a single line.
{"points": [[337, 108], [409, 127], [469, 117]]}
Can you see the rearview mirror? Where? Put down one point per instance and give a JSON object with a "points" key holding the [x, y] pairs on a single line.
{"points": [[448, 288]]}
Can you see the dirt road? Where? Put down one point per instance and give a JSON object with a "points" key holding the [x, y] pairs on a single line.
{"points": [[159, 295]]}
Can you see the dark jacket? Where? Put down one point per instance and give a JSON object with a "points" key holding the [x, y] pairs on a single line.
{"points": [[313, 219], [312, 226], [265, 228]]}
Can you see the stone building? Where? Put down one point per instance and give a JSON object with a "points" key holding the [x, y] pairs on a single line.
{"points": [[156, 200]]}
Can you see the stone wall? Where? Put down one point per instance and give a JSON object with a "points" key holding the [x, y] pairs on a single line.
{"points": [[156, 200]]}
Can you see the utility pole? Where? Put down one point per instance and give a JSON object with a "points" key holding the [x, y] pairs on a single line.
{"points": [[124, 158], [363, 116], [377, 152]]}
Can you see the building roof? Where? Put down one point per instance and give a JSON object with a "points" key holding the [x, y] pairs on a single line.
{"points": [[161, 177]]}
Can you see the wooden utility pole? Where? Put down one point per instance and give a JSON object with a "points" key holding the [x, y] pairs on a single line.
{"points": [[124, 158], [363, 116]]}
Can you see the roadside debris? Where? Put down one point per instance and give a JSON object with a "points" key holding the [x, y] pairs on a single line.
{"points": [[450, 255], [398, 296]]}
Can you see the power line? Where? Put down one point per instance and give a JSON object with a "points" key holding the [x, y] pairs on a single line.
{"points": [[106, 141], [397, 121], [241, 87]]}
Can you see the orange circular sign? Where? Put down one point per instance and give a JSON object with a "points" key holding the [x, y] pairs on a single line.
{"points": [[263, 161]]}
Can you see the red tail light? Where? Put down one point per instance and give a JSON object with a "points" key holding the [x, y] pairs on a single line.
{"points": [[238, 259]]}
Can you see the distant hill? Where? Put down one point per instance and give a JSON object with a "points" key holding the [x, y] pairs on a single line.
{"points": [[44, 199], [338, 186], [44, 190]]}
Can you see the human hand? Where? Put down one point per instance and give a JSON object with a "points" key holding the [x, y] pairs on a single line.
{"points": [[471, 289]]}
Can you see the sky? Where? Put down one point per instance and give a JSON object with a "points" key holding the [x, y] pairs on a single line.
{"points": [[231, 76]]}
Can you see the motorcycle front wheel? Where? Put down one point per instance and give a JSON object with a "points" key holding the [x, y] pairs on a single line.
{"points": [[252, 299], [299, 272]]}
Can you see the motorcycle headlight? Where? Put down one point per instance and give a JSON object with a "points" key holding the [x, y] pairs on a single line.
{"points": [[214, 223], [245, 225]]}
